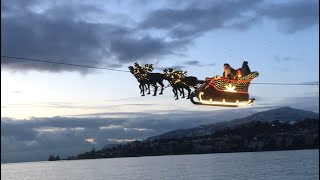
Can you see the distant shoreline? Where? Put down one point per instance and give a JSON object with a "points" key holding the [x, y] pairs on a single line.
{"points": [[64, 160], [236, 152], [253, 136]]}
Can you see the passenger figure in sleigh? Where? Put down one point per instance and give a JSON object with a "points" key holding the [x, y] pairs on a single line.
{"points": [[231, 73]]}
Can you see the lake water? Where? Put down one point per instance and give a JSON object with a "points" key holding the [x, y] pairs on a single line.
{"points": [[288, 165]]}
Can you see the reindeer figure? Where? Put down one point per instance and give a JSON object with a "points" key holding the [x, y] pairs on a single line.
{"points": [[168, 74], [143, 82], [176, 80], [145, 77], [154, 78], [180, 81]]}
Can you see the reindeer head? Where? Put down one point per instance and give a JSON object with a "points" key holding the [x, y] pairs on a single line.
{"points": [[181, 73], [149, 67], [134, 70], [137, 65], [131, 69], [177, 76], [167, 72]]}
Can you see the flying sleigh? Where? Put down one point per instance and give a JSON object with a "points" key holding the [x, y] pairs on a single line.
{"points": [[213, 91], [219, 91]]}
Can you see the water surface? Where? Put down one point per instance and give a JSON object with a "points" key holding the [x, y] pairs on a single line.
{"points": [[289, 165]]}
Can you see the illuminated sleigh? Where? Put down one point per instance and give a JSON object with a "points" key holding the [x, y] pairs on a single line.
{"points": [[218, 91]]}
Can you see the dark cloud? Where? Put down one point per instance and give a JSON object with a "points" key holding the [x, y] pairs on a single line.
{"points": [[34, 36], [193, 63], [87, 34], [174, 67], [19, 132], [239, 15], [194, 21], [293, 16], [145, 48], [185, 65], [66, 135], [57, 34]]}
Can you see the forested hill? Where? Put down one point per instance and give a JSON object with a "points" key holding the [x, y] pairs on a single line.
{"points": [[278, 129]]}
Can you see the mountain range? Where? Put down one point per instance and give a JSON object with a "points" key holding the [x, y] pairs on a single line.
{"points": [[276, 129], [283, 114]]}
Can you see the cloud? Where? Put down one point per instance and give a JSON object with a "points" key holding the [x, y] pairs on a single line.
{"points": [[59, 33], [144, 48], [284, 59], [89, 33], [71, 135], [212, 64], [239, 15], [174, 67], [194, 21], [310, 103], [181, 67], [293, 16], [193, 63], [90, 140]]}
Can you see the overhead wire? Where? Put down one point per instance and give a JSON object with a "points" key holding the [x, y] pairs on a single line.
{"points": [[290, 84], [120, 70], [62, 63]]}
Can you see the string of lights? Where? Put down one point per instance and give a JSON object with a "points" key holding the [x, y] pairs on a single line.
{"points": [[120, 70]]}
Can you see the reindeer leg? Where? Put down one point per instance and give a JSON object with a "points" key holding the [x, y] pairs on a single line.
{"points": [[175, 92], [148, 88], [162, 85], [155, 89], [141, 89], [189, 91], [145, 87], [182, 92]]}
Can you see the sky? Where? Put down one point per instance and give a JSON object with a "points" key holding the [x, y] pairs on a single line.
{"points": [[65, 110]]}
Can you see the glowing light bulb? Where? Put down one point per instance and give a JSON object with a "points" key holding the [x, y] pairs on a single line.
{"points": [[230, 88]]}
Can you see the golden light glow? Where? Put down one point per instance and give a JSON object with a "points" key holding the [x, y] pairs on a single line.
{"points": [[223, 102], [250, 102], [230, 88], [90, 140]]}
